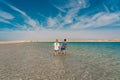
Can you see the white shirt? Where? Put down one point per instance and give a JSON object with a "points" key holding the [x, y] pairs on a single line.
{"points": [[56, 46]]}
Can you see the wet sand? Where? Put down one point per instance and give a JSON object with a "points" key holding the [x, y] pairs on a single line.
{"points": [[35, 61]]}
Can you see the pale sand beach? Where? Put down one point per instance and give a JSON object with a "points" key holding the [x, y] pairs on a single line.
{"points": [[69, 40], [14, 42], [29, 41], [35, 61]]}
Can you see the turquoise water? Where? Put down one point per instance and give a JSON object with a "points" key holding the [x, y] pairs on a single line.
{"points": [[108, 48], [93, 60]]}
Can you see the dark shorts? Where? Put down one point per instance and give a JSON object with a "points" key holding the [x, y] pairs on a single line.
{"points": [[63, 48]]}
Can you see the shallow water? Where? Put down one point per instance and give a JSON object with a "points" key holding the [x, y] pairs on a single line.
{"points": [[94, 60], [102, 60], [84, 61]]}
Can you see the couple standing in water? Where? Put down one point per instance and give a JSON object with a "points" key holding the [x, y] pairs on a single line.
{"points": [[60, 48]]}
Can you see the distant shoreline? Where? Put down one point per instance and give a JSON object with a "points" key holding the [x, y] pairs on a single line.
{"points": [[11, 42], [27, 41]]}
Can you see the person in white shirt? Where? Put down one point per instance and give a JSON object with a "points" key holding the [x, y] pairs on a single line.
{"points": [[56, 47]]}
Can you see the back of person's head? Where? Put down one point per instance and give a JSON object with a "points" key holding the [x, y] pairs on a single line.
{"points": [[56, 40], [64, 39]]}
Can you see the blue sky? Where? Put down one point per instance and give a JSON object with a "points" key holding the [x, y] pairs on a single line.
{"points": [[73, 19]]}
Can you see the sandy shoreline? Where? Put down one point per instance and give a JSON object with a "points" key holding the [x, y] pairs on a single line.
{"points": [[11, 42], [27, 41]]}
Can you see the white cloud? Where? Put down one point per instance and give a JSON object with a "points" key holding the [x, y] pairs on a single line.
{"points": [[106, 8], [22, 27], [60, 9], [33, 23], [75, 3], [4, 21], [56, 22], [6, 15], [14, 8], [98, 20], [51, 22], [28, 20], [71, 14], [70, 8]]}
